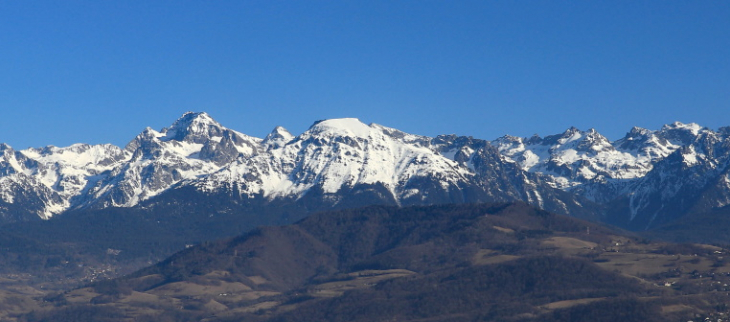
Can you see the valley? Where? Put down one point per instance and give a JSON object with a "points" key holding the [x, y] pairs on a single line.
{"points": [[414, 263]]}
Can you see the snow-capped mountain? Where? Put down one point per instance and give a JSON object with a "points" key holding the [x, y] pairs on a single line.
{"points": [[335, 155], [341, 161], [194, 146], [577, 157], [692, 179], [43, 181], [341, 158], [645, 178]]}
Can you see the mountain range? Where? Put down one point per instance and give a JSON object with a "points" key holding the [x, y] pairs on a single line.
{"points": [[643, 180], [348, 217]]}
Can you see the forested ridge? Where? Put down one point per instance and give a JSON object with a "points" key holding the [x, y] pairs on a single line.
{"points": [[485, 262]]}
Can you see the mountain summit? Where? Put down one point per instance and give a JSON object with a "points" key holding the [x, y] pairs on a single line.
{"points": [[194, 128]]}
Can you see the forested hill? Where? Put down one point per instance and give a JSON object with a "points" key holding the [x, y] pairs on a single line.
{"points": [[489, 262]]}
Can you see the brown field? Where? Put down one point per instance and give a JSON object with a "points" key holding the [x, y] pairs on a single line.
{"points": [[490, 256], [569, 303], [356, 280]]}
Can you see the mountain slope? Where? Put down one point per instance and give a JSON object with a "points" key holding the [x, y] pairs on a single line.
{"points": [[493, 262], [644, 180]]}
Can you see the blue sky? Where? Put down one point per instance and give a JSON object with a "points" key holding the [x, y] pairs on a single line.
{"points": [[102, 71]]}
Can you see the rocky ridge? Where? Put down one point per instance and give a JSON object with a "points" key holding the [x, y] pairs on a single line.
{"points": [[645, 178], [642, 180], [334, 160]]}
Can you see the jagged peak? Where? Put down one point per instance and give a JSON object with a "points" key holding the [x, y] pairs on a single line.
{"points": [[679, 133], [509, 144], [593, 134], [189, 117], [510, 138], [574, 134], [196, 125], [5, 146], [281, 132], [634, 139], [507, 141], [149, 132], [570, 135], [534, 139], [638, 132], [692, 127], [593, 131], [147, 135], [278, 137]]}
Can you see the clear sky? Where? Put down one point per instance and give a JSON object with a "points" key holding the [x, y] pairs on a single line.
{"points": [[102, 71]]}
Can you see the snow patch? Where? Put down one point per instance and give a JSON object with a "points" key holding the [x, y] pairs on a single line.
{"points": [[351, 127]]}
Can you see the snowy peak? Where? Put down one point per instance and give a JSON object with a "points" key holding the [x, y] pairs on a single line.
{"points": [[193, 147], [42, 181], [574, 157], [511, 145], [194, 135], [335, 156], [278, 138], [656, 145], [345, 127], [570, 135], [693, 128], [78, 155], [13, 162], [194, 128], [637, 132], [652, 173], [635, 139], [352, 131], [143, 140], [592, 142], [573, 138], [681, 134]]}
